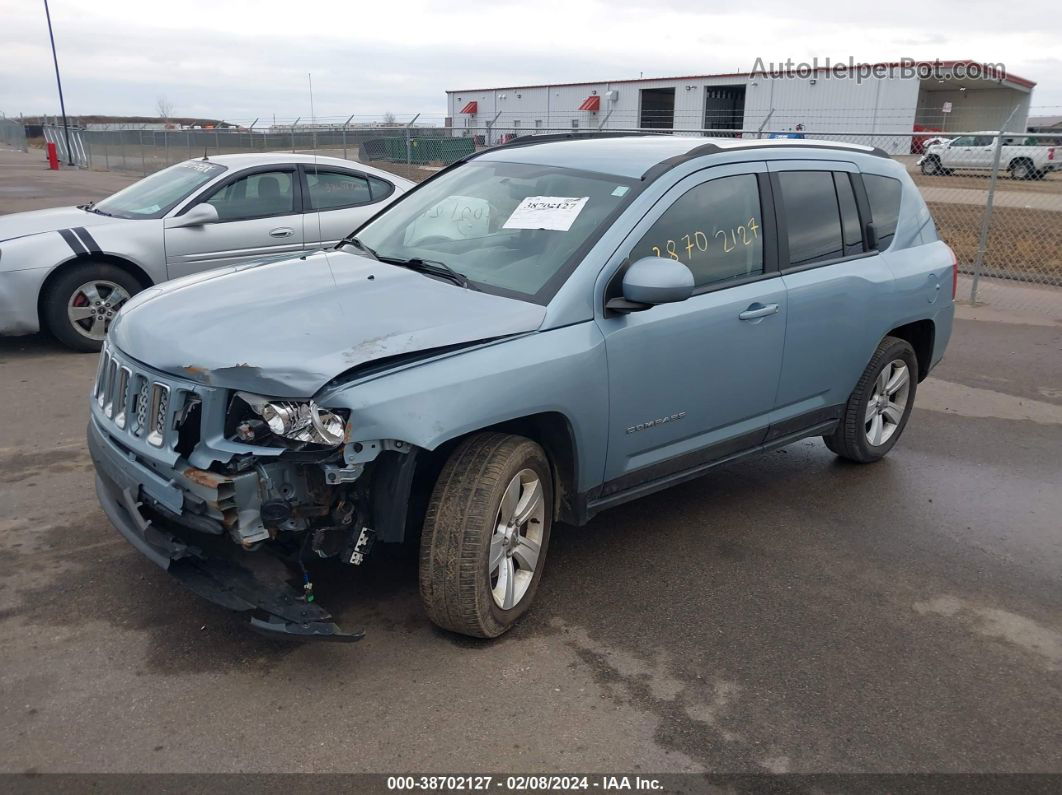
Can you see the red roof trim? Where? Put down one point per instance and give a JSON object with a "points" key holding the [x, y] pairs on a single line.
{"points": [[1010, 78], [592, 102]]}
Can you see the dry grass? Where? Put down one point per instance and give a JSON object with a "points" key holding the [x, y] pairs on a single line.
{"points": [[1020, 241], [1051, 183]]}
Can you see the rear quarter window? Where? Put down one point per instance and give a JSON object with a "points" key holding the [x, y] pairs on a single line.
{"points": [[381, 188], [884, 196]]}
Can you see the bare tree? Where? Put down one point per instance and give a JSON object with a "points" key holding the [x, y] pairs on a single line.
{"points": [[389, 119], [164, 108]]}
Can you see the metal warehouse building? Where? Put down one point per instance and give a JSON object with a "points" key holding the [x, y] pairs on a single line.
{"points": [[818, 99]]}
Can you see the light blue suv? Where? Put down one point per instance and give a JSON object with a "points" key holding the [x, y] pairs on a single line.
{"points": [[538, 333]]}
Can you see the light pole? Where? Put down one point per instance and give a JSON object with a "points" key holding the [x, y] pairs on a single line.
{"points": [[59, 83]]}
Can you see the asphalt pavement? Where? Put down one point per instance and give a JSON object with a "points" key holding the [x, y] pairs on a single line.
{"points": [[786, 613]]}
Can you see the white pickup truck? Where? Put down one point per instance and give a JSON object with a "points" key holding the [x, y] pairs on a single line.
{"points": [[1023, 157]]}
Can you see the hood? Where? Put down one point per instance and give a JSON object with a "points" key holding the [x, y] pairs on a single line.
{"points": [[36, 221], [285, 329]]}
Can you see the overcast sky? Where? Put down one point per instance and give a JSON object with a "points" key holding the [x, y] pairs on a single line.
{"points": [[239, 60]]}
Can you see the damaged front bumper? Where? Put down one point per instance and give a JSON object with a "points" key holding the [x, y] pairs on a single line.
{"points": [[258, 583]]}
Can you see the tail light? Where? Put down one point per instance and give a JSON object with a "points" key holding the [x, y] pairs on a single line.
{"points": [[1050, 153], [954, 275]]}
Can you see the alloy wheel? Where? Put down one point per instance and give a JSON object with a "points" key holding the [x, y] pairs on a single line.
{"points": [[888, 402], [93, 305], [517, 540]]}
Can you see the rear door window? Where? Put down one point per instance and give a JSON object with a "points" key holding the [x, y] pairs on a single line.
{"points": [[330, 190], [884, 196], [812, 216]]}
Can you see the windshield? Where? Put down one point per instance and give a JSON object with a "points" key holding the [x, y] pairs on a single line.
{"points": [[509, 228], [154, 196]]}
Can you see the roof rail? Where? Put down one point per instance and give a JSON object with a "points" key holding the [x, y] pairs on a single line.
{"points": [[712, 149], [524, 140], [704, 149]]}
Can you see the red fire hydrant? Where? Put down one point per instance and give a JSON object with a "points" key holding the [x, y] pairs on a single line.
{"points": [[53, 157]]}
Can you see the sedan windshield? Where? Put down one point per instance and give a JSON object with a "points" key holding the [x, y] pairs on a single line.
{"points": [[154, 196], [509, 228]]}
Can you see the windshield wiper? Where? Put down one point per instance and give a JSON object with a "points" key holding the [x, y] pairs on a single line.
{"points": [[351, 240], [432, 267], [91, 207]]}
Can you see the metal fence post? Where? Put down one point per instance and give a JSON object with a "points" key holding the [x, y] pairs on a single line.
{"points": [[351, 116], [986, 219], [409, 143], [767, 118], [143, 159]]}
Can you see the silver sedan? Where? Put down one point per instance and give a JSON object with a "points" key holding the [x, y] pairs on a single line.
{"points": [[68, 270]]}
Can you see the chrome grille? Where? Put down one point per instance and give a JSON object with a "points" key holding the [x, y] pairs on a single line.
{"points": [[137, 403], [120, 396], [160, 399], [142, 397]]}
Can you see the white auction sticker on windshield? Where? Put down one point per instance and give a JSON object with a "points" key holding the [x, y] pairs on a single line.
{"points": [[557, 213]]}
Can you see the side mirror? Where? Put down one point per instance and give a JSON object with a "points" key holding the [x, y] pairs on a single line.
{"points": [[651, 281], [199, 215]]}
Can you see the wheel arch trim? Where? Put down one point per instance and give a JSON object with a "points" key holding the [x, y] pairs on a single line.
{"points": [[921, 336]]}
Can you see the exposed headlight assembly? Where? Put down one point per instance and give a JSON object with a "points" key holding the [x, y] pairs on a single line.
{"points": [[297, 420]]}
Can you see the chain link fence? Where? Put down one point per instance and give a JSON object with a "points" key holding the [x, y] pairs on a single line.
{"points": [[996, 197], [13, 134]]}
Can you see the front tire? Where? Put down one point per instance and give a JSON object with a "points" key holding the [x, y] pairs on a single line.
{"points": [[878, 409], [931, 167], [486, 533], [81, 303]]}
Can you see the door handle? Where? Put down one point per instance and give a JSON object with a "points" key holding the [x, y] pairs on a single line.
{"points": [[757, 311], [282, 231]]}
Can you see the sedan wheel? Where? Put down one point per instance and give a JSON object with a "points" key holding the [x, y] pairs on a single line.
{"points": [[93, 305], [82, 300]]}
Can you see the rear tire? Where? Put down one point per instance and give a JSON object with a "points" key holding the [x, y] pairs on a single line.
{"points": [[878, 409], [1022, 169], [81, 303], [486, 533]]}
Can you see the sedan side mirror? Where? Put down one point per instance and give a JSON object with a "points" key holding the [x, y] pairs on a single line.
{"points": [[651, 281], [199, 215]]}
